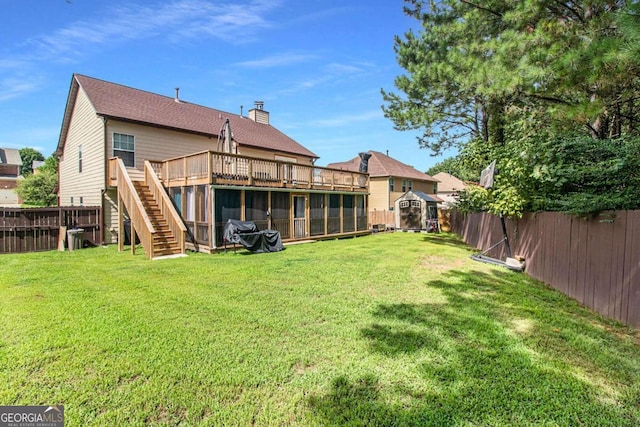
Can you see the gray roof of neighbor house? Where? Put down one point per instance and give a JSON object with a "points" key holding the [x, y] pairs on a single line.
{"points": [[10, 156], [449, 182], [120, 102], [382, 165]]}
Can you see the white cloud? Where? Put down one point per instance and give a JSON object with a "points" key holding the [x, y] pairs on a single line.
{"points": [[15, 87], [176, 20], [276, 60]]}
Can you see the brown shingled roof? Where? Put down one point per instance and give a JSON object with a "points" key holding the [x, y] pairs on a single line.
{"points": [[383, 165], [121, 102]]}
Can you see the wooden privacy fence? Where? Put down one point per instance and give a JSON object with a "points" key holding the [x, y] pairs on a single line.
{"points": [[38, 229], [595, 262], [388, 218]]}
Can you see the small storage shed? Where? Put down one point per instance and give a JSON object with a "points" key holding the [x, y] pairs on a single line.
{"points": [[416, 210]]}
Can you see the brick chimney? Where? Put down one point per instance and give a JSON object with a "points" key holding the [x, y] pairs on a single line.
{"points": [[257, 114]]}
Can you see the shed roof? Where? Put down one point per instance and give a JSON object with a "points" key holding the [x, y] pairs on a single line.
{"points": [[120, 102], [10, 156], [381, 165], [424, 196]]}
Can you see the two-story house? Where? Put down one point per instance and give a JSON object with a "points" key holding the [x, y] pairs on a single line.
{"points": [[167, 163], [10, 163], [389, 180]]}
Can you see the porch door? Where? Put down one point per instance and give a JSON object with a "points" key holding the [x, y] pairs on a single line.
{"points": [[299, 217]]}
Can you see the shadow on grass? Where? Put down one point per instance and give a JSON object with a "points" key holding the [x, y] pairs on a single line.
{"points": [[446, 239], [502, 350]]}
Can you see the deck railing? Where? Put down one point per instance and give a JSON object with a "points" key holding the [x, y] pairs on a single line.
{"points": [[128, 197], [165, 205], [210, 167]]}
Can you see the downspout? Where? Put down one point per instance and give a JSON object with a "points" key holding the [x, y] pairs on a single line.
{"points": [[104, 180]]}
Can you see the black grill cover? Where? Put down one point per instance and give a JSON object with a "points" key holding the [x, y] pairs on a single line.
{"points": [[247, 234]]}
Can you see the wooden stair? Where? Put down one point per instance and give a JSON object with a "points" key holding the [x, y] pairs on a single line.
{"points": [[164, 242]]}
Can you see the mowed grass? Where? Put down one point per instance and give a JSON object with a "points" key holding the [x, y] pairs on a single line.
{"points": [[389, 329]]}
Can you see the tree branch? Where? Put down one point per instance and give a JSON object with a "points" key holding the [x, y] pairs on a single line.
{"points": [[493, 12]]}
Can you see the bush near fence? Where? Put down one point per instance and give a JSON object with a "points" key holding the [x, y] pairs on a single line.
{"points": [[596, 262], [38, 229]]}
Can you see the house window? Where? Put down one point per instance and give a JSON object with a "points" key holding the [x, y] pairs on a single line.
{"points": [[71, 201], [124, 147], [404, 204], [435, 188], [415, 203], [409, 185], [79, 158], [391, 184], [81, 200], [404, 185]]}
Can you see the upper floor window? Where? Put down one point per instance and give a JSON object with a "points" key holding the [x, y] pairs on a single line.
{"points": [[79, 158], [124, 147], [391, 184], [404, 185], [409, 185]]}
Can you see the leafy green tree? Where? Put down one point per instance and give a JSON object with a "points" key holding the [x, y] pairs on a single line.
{"points": [[39, 189], [471, 63], [28, 155]]}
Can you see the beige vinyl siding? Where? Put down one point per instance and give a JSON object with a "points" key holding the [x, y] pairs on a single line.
{"points": [[153, 143], [379, 192], [424, 186], [382, 199], [271, 155], [86, 129]]}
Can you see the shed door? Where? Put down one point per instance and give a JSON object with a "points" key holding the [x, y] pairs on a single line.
{"points": [[410, 215]]}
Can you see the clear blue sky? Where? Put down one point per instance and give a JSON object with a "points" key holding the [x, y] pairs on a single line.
{"points": [[318, 65]]}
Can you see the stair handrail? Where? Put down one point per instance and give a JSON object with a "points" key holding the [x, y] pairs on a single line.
{"points": [[137, 213], [169, 212]]}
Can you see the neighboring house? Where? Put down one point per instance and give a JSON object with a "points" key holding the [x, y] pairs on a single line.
{"points": [[36, 164], [448, 189], [389, 179], [123, 149], [10, 163]]}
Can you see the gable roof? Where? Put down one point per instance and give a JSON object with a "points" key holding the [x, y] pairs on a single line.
{"points": [[381, 165], [111, 100], [449, 182], [10, 156]]}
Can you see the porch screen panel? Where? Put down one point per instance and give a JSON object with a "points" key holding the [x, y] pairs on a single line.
{"points": [[348, 214], [202, 217], [227, 207], [256, 204], [333, 221], [176, 197], [316, 208], [189, 213], [361, 213], [280, 210]]}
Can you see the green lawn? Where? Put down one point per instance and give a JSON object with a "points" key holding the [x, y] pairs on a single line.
{"points": [[389, 329]]}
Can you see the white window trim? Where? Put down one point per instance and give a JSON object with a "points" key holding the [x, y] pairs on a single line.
{"points": [[113, 146]]}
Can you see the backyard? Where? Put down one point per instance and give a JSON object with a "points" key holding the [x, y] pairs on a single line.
{"points": [[387, 329]]}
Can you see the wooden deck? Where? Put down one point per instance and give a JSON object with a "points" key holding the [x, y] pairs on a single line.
{"points": [[209, 167]]}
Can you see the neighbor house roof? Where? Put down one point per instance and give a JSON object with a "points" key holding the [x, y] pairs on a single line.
{"points": [[120, 102], [381, 165], [10, 156], [449, 182]]}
